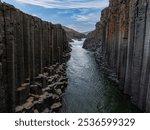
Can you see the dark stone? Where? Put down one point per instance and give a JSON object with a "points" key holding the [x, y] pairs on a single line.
{"points": [[36, 89], [121, 41], [0, 71], [28, 47], [22, 93]]}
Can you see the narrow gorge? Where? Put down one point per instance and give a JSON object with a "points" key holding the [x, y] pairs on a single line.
{"points": [[121, 42], [48, 68], [32, 62]]}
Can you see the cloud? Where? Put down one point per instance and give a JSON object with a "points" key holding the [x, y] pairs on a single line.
{"points": [[84, 18], [73, 26], [63, 4], [84, 10], [80, 28], [64, 12]]}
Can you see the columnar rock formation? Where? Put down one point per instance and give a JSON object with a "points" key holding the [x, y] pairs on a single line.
{"points": [[28, 47], [124, 47], [92, 41]]}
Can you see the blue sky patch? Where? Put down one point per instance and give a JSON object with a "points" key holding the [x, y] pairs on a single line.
{"points": [[80, 15]]}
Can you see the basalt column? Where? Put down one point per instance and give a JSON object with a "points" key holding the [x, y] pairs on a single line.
{"points": [[124, 48], [3, 71], [28, 47], [137, 74], [11, 52]]}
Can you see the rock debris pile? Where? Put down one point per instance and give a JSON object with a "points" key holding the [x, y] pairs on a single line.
{"points": [[45, 93]]}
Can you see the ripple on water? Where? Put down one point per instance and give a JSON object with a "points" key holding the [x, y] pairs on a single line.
{"points": [[88, 89]]}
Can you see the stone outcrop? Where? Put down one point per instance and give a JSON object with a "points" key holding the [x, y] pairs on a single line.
{"points": [[45, 93], [73, 34], [124, 47], [93, 40], [31, 54]]}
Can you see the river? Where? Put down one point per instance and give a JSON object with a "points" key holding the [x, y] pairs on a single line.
{"points": [[89, 91]]}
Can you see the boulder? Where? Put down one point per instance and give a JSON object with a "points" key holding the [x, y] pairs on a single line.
{"points": [[36, 89], [56, 106]]}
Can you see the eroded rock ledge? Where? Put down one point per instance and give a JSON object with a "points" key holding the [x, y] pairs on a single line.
{"points": [[32, 53], [45, 93], [124, 48]]}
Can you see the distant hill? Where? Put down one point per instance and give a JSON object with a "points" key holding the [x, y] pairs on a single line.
{"points": [[86, 33], [73, 34]]}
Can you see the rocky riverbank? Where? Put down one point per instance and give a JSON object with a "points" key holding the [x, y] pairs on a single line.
{"points": [[45, 93]]}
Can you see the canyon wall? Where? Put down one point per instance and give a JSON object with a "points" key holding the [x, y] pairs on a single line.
{"points": [[28, 47], [124, 47], [73, 34], [93, 40]]}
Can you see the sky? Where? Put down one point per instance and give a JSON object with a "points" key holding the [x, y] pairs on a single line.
{"points": [[80, 15]]}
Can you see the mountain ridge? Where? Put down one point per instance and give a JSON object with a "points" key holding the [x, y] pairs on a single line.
{"points": [[73, 34]]}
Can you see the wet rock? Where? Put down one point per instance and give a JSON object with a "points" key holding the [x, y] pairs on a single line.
{"points": [[56, 106], [46, 110], [39, 106], [55, 97], [30, 99], [53, 79], [46, 74], [58, 91], [50, 81], [36, 111], [43, 79], [28, 106], [59, 85], [48, 89], [36, 89], [19, 109], [65, 74], [63, 79]]}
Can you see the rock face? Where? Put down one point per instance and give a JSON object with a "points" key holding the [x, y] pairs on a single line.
{"points": [[93, 40], [28, 46], [72, 34], [44, 94], [124, 47]]}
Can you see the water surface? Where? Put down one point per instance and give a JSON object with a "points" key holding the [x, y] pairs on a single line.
{"points": [[88, 89]]}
